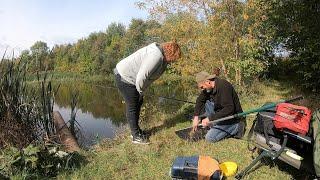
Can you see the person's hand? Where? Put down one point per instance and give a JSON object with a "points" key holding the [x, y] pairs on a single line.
{"points": [[206, 122], [141, 98], [195, 123]]}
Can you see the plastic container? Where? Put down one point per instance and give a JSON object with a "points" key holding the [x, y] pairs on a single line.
{"points": [[228, 168]]}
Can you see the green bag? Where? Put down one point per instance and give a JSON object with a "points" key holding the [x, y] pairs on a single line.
{"points": [[316, 136]]}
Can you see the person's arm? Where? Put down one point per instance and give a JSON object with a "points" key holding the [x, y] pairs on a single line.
{"points": [[148, 66], [226, 103], [200, 103]]}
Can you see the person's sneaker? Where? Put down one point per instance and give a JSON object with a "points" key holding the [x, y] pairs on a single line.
{"points": [[144, 133], [140, 139]]}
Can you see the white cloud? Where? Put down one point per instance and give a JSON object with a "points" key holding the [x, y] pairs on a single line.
{"points": [[3, 38]]}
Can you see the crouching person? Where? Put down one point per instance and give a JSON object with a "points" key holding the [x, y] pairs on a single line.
{"points": [[217, 99]]}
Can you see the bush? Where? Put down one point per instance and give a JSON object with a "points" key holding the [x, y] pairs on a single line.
{"points": [[37, 161]]}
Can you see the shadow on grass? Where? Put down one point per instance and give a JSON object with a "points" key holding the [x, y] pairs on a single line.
{"points": [[182, 116], [305, 172], [282, 166], [4, 177]]}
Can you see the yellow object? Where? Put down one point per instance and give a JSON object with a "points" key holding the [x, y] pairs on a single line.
{"points": [[229, 168]]}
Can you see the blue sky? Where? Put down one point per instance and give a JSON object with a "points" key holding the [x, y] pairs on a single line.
{"points": [[59, 21]]}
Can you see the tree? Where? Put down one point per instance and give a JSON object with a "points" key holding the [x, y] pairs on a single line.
{"points": [[296, 25], [115, 30], [25, 56], [114, 49], [39, 53], [136, 35], [211, 33]]}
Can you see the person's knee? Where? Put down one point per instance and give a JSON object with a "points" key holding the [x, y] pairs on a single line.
{"points": [[211, 138]]}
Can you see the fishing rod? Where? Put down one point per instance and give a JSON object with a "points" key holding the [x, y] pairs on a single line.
{"points": [[163, 97], [177, 100]]}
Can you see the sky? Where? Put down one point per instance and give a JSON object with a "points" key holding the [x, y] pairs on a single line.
{"points": [[23, 22]]}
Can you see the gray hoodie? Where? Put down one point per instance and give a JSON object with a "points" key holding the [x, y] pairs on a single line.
{"points": [[142, 67]]}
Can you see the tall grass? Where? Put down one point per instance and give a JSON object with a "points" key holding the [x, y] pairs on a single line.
{"points": [[28, 148], [74, 126], [26, 111]]}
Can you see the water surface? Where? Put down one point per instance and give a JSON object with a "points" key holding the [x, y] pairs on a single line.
{"points": [[100, 109]]}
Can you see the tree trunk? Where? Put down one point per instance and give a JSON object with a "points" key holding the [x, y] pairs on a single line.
{"points": [[66, 137], [224, 70], [235, 39]]}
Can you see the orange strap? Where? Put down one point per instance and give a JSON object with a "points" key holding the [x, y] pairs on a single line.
{"points": [[206, 167]]}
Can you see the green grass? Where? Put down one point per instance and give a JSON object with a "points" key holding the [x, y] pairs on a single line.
{"points": [[120, 159]]}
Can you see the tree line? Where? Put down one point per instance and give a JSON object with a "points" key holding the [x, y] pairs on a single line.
{"points": [[98, 53], [244, 38]]}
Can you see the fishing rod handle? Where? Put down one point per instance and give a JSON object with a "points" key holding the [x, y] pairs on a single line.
{"points": [[294, 99]]}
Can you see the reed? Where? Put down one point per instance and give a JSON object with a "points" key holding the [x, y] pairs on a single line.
{"points": [[74, 126], [26, 111]]}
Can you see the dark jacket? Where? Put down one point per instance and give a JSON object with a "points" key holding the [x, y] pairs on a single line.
{"points": [[226, 101]]}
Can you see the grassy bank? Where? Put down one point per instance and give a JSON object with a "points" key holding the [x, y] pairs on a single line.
{"points": [[71, 76], [120, 159]]}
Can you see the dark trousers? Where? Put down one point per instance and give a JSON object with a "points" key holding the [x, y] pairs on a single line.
{"points": [[133, 104]]}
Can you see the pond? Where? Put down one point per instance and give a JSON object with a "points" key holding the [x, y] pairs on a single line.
{"points": [[100, 109]]}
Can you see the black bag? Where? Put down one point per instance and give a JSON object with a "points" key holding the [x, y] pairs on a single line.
{"points": [[263, 124]]}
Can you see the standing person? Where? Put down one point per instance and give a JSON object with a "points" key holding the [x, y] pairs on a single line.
{"points": [[218, 99], [135, 73]]}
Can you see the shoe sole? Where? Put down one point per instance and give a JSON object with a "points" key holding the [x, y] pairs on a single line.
{"points": [[131, 136], [135, 142]]}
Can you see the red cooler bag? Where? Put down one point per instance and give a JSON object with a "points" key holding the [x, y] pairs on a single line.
{"points": [[292, 117]]}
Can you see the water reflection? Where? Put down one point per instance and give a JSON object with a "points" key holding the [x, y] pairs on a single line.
{"points": [[92, 129], [97, 100], [100, 111]]}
